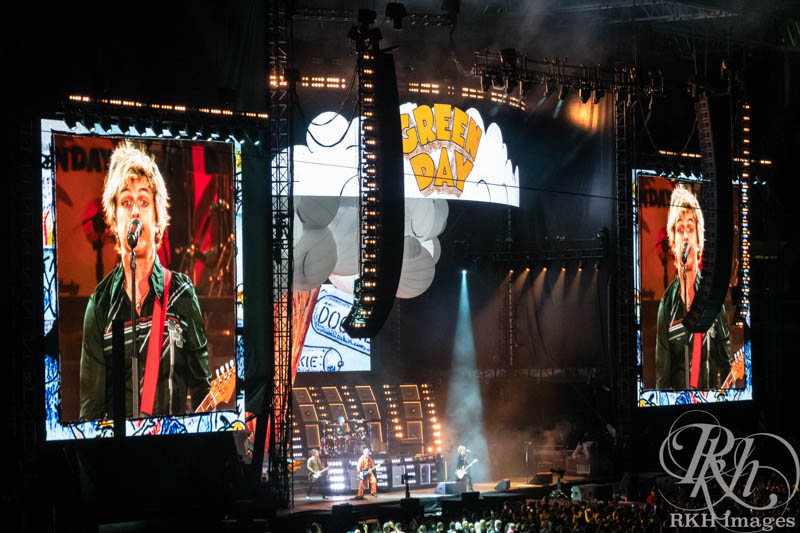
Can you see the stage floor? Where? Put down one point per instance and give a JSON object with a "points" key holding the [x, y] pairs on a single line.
{"points": [[519, 487]]}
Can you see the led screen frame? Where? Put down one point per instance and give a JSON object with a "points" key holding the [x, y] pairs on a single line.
{"points": [[55, 428], [647, 395]]}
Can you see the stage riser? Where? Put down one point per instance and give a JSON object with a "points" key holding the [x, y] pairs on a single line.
{"points": [[343, 478]]}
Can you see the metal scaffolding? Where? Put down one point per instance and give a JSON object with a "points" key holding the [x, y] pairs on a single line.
{"points": [[279, 34], [627, 335]]}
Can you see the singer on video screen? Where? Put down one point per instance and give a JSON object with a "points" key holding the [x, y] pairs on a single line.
{"points": [[685, 360], [171, 360]]}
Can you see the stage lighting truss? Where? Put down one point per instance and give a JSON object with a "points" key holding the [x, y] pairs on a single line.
{"points": [[391, 16], [565, 253], [510, 70], [129, 117]]}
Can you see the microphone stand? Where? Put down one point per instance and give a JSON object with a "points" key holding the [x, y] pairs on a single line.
{"points": [[135, 355], [689, 334]]}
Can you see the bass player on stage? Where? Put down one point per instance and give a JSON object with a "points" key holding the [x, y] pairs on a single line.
{"points": [[366, 467], [462, 467], [315, 472]]}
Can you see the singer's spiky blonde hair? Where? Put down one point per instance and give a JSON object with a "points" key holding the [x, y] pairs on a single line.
{"points": [[682, 201], [128, 163]]}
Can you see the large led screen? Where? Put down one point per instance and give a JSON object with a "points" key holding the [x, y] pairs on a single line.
{"points": [[327, 347], [187, 296], [678, 367]]}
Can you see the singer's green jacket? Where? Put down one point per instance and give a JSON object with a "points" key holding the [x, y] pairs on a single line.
{"points": [[671, 339], [183, 369]]}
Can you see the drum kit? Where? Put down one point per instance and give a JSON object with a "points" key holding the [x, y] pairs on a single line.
{"points": [[347, 438]]}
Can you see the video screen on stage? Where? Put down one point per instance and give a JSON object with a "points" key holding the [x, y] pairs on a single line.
{"points": [[679, 368], [327, 347], [166, 213]]}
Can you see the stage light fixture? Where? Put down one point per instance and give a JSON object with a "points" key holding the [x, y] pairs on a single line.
{"points": [[548, 89], [463, 271], [253, 136], [596, 266], [396, 12], [580, 265], [563, 92], [585, 93], [141, 126], [524, 87], [563, 266], [498, 80], [486, 82], [70, 120], [598, 95]]}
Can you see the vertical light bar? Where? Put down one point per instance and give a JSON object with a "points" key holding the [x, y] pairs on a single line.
{"points": [[744, 213]]}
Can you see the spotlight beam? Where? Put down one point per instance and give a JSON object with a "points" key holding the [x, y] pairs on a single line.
{"points": [[465, 405]]}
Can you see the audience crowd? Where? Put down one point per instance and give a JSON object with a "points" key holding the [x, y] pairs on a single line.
{"points": [[562, 515]]}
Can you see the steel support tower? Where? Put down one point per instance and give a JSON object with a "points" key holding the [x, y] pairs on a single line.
{"points": [[281, 85], [627, 334]]}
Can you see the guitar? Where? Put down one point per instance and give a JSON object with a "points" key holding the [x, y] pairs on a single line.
{"points": [[364, 474], [313, 476], [222, 388], [737, 370], [461, 472]]}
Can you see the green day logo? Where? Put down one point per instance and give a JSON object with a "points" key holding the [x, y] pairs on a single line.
{"points": [[451, 154], [451, 132]]}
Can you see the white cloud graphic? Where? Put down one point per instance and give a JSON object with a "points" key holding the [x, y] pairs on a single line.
{"points": [[327, 164]]}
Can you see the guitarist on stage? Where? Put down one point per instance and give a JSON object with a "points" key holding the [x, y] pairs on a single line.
{"points": [[315, 473], [365, 470], [462, 466]]}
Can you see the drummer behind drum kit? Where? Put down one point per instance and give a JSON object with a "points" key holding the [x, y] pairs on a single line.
{"points": [[348, 438]]}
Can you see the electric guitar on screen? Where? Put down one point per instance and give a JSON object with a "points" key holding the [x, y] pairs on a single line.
{"points": [[222, 388], [737, 370], [461, 472]]}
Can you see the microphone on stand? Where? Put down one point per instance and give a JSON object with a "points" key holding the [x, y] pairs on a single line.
{"points": [[135, 231], [684, 253]]}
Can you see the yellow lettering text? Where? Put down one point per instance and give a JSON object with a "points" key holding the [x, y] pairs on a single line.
{"points": [[473, 138], [423, 170], [460, 121], [463, 168], [423, 116], [409, 134], [444, 175], [442, 114]]}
